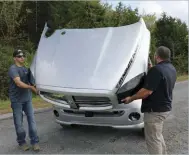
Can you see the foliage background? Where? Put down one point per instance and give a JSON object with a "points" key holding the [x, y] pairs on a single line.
{"points": [[21, 24]]}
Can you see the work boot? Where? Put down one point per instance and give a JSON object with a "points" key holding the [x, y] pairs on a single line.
{"points": [[36, 147], [24, 147]]}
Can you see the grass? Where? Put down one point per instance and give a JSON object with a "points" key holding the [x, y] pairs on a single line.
{"points": [[5, 106], [39, 103], [182, 78]]}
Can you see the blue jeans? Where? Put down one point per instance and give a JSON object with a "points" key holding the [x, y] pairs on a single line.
{"points": [[18, 109]]}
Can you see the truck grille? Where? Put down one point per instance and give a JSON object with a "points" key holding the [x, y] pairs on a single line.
{"points": [[88, 101]]}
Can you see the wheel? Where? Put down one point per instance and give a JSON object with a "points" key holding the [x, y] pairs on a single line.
{"points": [[142, 132], [68, 126], [65, 126]]}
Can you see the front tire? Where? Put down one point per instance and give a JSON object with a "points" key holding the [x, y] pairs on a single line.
{"points": [[142, 132], [65, 126], [68, 126]]}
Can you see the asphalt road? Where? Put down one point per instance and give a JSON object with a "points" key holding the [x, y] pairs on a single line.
{"points": [[99, 140]]}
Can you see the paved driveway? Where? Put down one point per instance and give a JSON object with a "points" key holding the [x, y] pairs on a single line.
{"points": [[99, 140]]}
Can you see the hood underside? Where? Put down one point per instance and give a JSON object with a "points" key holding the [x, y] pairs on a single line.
{"points": [[86, 58]]}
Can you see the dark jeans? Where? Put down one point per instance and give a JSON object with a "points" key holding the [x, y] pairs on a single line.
{"points": [[18, 109]]}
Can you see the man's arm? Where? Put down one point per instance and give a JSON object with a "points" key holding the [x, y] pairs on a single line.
{"points": [[13, 74], [151, 83], [141, 94], [21, 84]]}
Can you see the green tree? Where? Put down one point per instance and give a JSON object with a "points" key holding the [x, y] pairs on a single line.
{"points": [[124, 15], [173, 33], [22, 22], [150, 21], [34, 14], [9, 17], [77, 14]]}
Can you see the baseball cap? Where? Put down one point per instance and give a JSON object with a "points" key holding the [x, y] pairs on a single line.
{"points": [[18, 52]]}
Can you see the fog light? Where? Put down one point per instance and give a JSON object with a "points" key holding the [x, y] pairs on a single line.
{"points": [[134, 116], [56, 113]]}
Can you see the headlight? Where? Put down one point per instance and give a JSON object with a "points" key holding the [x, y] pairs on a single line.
{"points": [[55, 97], [131, 87]]}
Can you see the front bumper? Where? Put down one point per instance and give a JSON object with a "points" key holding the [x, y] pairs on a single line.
{"points": [[112, 120], [140, 125]]}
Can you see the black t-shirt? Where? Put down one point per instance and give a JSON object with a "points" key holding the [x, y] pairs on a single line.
{"points": [[161, 80]]}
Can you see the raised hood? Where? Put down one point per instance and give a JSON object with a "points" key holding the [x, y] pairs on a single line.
{"points": [[86, 58]]}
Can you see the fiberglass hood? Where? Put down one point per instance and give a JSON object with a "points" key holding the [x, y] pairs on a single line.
{"points": [[86, 58]]}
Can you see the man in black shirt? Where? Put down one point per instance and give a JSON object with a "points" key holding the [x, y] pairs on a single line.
{"points": [[157, 99]]}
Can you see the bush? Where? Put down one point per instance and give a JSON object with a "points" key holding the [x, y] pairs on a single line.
{"points": [[181, 64], [6, 60]]}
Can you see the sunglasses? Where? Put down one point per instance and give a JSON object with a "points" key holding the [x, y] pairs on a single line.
{"points": [[20, 56]]}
